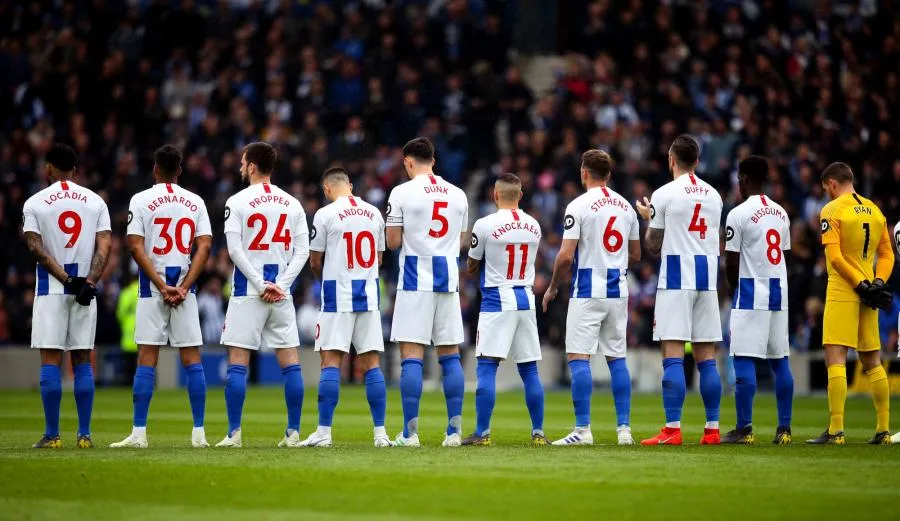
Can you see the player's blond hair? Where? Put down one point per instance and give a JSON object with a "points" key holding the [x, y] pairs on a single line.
{"points": [[508, 187]]}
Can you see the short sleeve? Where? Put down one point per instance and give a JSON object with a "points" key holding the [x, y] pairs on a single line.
{"points": [[103, 222], [476, 247], [394, 214], [319, 233], [786, 237], [232, 217], [203, 225], [465, 217], [135, 218], [733, 232], [30, 220], [831, 226], [380, 242], [658, 203], [635, 233], [571, 223]]}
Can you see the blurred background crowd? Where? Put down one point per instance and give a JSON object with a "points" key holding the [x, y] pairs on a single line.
{"points": [[347, 83]]}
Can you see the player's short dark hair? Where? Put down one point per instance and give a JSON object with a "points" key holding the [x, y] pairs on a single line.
{"points": [[167, 159], [336, 174], [420, 149], [840, 172], [756, 168], [686, 151], [261, 154], [62, 157], [598, 163]]}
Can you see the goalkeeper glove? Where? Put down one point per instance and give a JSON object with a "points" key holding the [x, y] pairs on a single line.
{"points": [[864, 290], [880, 294]]}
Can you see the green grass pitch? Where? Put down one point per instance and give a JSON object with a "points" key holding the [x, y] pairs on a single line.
{"points": [[354, 481]]}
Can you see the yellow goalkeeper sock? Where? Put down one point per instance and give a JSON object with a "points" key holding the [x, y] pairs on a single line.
{"points": [[881, 395], [837, 396]]}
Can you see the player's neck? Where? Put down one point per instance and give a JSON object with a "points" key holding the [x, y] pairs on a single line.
{"points": [[422, 172], [507, 206], [590, 185], [844, 190], [678, 173], [345, 193], [258, 178]]}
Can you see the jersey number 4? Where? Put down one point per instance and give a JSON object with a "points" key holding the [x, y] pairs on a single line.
{"points": [[282, 234], [698, 224]]}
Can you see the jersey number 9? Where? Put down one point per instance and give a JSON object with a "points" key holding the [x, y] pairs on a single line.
{"points": [[73, 230]]}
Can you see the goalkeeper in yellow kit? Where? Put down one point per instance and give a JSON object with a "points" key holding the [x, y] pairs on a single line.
{"points": [[860, 258]]}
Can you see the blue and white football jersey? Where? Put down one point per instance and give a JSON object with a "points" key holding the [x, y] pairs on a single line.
{"points": [[169, 218], [67, 217], [759, 229], [267, 219], [433, 214], [350, 232], [689, 210], [602, 222], [507, 243]]}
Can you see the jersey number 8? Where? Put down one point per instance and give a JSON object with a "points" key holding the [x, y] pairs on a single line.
{"points": [[773, 252]]}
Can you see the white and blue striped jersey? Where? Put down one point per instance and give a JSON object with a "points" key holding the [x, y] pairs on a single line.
{"points": [[350, 232], [67, 217], [506, 242], [602, 222], [689, 210], [168, 217], [433, 214], [267, 219], [759, 229]]}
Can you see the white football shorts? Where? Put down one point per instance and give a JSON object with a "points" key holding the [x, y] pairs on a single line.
{"points": [[426, 317], [508, 334], [336, 331], [597, 325], [759, 333], [687, 315], [158, 324], [58, 322], [251, 323]]}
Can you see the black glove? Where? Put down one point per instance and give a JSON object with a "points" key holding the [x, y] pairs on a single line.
{"points": [[74, 285], [86, 294], [881, 295]]}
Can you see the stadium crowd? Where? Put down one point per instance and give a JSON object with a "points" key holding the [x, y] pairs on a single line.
{"points": [[349, 82]]}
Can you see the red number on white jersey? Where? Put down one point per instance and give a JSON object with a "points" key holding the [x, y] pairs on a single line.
{"points": [[282, 234], [73, 229], [183, 247], [355, 249], [436, 216], [773, 252], [612, 238], [698, 224], [511, 260]]}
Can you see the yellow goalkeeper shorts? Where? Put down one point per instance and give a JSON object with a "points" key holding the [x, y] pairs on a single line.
{"points": [[851, 324]]}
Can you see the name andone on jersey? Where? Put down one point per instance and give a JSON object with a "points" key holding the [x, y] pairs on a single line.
{"points": [[433, 214], [602, 222], [67, 217], [267, 218], [759, 229], [350, 232], [689, 210], [169, 218], [507, 243]]}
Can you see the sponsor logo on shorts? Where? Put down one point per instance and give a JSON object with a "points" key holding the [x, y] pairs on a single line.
{"points": [[569, 222]]}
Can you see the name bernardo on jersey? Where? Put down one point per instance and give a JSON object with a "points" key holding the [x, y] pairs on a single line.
{"points": [[155, 204]]}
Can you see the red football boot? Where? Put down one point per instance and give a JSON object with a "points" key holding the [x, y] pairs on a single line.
{"points": [[667, 436], [710, 437]]}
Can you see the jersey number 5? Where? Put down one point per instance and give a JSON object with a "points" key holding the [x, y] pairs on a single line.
{"points": [[73, 229], [282, 234], [436, 216], [698, 224]]}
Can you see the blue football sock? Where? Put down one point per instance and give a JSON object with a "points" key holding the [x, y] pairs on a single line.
{"points": [[51, 396], [235, 393], [329, 393], [784, 389], [293, 395], [376, 394], [485, 394], [744, 389], [411, 394], [534, 394], [84, 396], [196, 387], [710, 389], [454, 390], [582, 388], [620, 381], [142, 393], [673, 388]]}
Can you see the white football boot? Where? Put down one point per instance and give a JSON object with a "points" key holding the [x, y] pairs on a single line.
{"points": [[381, 438], [411, 441], [452, 440], [198, 438], [136, 440], [896, 438], [624, 434], [319, 438], [233, 440], [291, 440], [579, 436]]}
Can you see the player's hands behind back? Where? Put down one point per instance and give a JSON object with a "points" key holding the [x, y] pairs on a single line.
{"points": [[272, 293], [83, 290], [173, 295]]}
